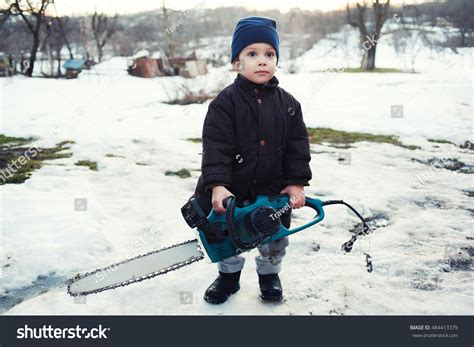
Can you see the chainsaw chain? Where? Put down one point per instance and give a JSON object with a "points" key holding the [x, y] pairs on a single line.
{"points": [[137, 279]]}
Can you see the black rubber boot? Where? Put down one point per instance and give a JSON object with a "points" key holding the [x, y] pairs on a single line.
{"points": [[270, 286], [224, 286]]}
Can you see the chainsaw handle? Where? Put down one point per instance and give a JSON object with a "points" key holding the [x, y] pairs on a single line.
{"points": [[226, 200], [316, 205], [229, 204]]}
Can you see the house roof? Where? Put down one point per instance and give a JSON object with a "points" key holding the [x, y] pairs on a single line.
{"points": [[76, 64]]}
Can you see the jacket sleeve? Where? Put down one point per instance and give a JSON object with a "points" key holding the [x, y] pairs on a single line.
{"points": [[209, 186], [296, 169], [218, 143]]}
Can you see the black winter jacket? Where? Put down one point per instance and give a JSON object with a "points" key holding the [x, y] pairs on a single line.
{"points": [[254, 141]]}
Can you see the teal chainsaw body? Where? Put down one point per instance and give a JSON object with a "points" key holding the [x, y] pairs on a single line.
{"points": [[242, 228]]}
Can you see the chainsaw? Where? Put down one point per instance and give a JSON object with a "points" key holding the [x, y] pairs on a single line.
{"points": [[241, 228]]}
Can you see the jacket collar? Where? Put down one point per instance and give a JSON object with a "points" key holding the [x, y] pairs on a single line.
{"points": [[256, 89]]}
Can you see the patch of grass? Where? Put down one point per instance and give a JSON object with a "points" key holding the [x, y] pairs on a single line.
{"points": [[51, 164], [21, 174], [64, 143], [90, 164], [183, 173], [53, 153], [110, 155], [410, 147], [10, 140], [18, 163], [339, 138], [194, 139], [440, 141]]}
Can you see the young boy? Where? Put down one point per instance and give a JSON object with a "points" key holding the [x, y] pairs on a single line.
{"points": [[255, 142]]}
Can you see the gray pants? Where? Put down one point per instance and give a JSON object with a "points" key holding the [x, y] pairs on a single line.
{"points": [[268, 261], [270, 258]]}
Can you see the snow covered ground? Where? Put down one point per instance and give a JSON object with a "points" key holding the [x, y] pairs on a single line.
{"points": [[422, 248]]}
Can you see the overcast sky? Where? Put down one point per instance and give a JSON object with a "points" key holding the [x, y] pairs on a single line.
{"points": [[68, 7]]}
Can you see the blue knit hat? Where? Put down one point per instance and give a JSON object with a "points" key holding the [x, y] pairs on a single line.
{"points": [[252, 30]]}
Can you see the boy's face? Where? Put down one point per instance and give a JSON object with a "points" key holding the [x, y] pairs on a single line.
{"points": [[257, 62]]}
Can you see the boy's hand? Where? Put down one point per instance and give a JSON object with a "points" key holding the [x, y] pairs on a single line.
{"points": [[219, 193], [296, 193]]}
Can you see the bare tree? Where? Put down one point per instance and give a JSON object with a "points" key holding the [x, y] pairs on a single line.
{"points": [[163, 29], [48, 31], [370, 30], [412, 35], [5, 13], [170, 43], [461, 14], [63, 28], [33, 14], [103, 27], [55, 41]]}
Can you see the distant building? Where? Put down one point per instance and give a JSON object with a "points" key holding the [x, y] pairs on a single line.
{"points": [[142, 65], [75, 66]]}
